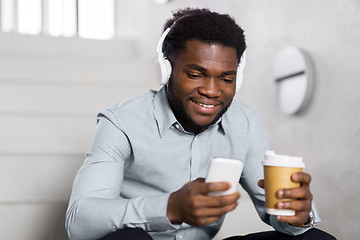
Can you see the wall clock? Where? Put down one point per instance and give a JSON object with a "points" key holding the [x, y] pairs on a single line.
{"points": [[294, 80]]}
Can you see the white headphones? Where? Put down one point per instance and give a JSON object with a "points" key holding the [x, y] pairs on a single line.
{"points": [[165, 65]]}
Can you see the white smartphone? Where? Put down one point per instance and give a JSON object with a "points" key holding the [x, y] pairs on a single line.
{"points": [[224, 170]]}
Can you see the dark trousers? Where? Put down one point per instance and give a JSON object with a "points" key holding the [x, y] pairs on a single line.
{"points": [[128, 234], [312, 234]]}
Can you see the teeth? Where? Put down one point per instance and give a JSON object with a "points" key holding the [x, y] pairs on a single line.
{"points": [[207, 106]]}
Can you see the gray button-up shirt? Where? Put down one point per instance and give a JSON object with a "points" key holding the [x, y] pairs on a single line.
{"points": [[140, 154]]}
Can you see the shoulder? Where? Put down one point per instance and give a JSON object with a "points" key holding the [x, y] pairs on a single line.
{"points": [[241, 117], [242, 122], [130, 110], [134, 105], [241, 112]]}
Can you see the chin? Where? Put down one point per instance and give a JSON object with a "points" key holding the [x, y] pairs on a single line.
{"points": [[205, 123]]}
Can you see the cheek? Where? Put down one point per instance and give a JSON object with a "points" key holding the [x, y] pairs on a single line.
{"points": [[228, 93], [231, 91], [183, 90]]}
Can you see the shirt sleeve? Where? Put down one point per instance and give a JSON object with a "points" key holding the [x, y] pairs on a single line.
{"points": [[96, 207], [292, 230], [253, 172]]}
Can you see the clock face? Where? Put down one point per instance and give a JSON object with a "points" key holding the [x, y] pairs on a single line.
{"points": [[294, 80]]}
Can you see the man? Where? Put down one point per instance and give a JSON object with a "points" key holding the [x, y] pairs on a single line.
{"points": [[143, 177]]}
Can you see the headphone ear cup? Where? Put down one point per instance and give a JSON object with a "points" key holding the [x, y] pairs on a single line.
{"points": [[164, 64], [240, 71], [168, 69], [165, 70], [239, 78]]}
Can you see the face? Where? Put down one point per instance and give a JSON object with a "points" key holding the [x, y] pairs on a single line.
{"points": [[203, 84]]}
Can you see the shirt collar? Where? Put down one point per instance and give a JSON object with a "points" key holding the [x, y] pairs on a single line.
{"points": [[165, 117], [162, 112], [221, 125]]}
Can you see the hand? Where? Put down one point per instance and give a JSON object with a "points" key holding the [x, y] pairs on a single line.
{"points": [[302, 199], [191, 203]]}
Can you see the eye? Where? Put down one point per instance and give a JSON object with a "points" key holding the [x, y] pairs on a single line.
{"points": [[227, 79], [194, 75]]}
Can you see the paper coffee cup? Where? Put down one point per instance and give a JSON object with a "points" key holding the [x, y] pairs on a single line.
{"points": [[277, 174]]}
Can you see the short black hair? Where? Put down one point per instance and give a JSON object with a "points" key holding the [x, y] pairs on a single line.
{"points": [[205, 26]]}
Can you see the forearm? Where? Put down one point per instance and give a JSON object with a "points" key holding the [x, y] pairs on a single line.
{"points": [[96, 207], [93, 218], [89, 219]]}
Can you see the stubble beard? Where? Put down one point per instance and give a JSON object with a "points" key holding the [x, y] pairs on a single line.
{"points": [[180, 113]]}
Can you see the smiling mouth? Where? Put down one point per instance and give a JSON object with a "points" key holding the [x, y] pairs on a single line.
{"points": [[209, 106], [206, 105]]}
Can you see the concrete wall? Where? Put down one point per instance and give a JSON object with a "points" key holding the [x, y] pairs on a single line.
{"points": [[51, 89], [327, 134]]}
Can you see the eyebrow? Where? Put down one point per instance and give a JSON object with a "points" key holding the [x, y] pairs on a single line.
{"points": [[231, 72], [202, 69], [197, 67]]}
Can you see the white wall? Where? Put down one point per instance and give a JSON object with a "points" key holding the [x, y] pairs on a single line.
{"points": [[51, 90]]}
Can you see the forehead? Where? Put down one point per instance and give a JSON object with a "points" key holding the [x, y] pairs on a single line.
{"points": [[204, 54]]}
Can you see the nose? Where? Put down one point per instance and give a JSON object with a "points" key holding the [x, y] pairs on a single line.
{"points": [[209, 88]]}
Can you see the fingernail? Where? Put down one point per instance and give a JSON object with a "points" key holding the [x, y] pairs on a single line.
{"points": [[295, 176], [280, 205], [281, 193]]}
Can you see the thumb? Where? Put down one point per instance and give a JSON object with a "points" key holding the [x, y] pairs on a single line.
{"points": [[201, 180], [261, 183]]}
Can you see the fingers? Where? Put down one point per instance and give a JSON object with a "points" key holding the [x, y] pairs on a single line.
{"points": [[217, 186], [302, 192], [193, 205], [204, 210], [302, 178], [215, 211], [220, 201], [295, 193], [302, 198], [295, 205], [301, 203], [201, 187], [202, 216], [302, 209]]}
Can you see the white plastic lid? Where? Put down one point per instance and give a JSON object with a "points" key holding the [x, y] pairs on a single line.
{"points": [[281, 212], [272, 159]]}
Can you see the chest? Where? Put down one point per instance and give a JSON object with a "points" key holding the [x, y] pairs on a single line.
{"points": [[170, 161]]}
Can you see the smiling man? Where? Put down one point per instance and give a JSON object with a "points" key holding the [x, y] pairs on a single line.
{"points": [[203, 83], [143, 177]]}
